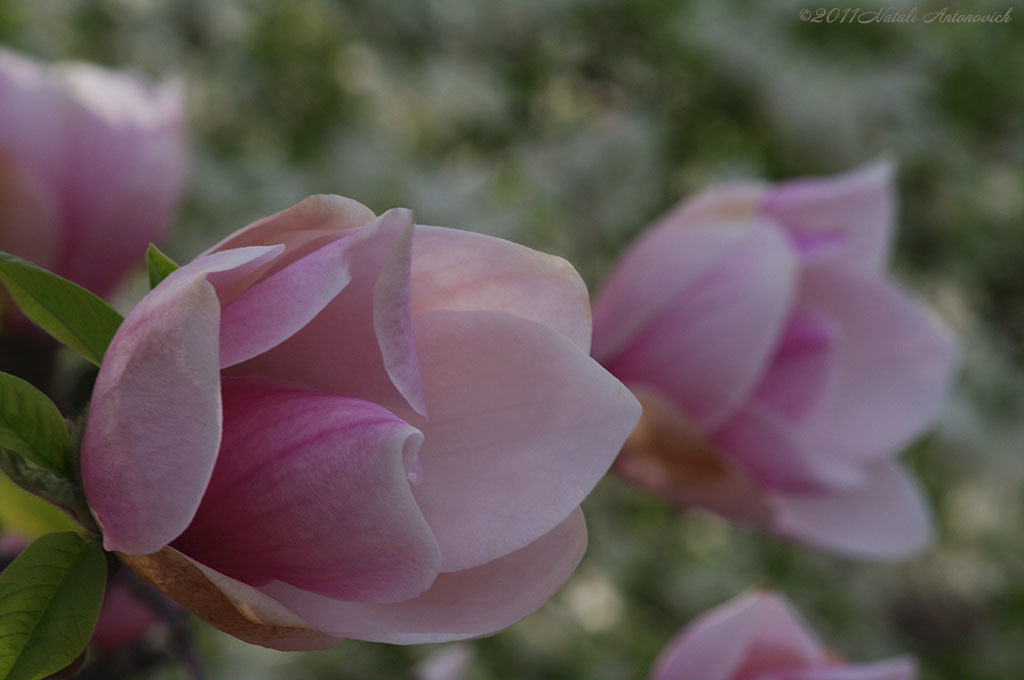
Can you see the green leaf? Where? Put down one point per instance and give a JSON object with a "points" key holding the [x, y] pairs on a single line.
{"points": [[49, 601], [54, 489], [159, 266], [31, 425], [27, 514], [63, 309]]}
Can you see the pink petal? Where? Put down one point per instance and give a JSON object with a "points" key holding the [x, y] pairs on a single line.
{"points": [[460, 270], [892, 669], [676, 250], [764, 445], [653, 273], [311, 489], [849, 215], [885, 518], [522, 425], [710, 349], [893, 366], [361, 344], [461, 604], [154, 424], [782, 639], [277, 307], [752, 634], [304, 223], [799, 371]]}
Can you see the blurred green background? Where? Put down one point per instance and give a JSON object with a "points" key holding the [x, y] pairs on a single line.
{"points": [[569, 124]]}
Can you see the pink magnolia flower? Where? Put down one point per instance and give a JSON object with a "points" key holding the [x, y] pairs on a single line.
{"points": [[92, 163], [758, 636], [780, 369], [336, 425]]}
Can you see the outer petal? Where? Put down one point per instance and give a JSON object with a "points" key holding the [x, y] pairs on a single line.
{"points": [[461, 604], [710, 349], [850, 216], [460, 270], [750, 635], [229, 605], [886, 518], [311, 489], [154, 424], [894, 362], [892, 669], [522, 425], [366, 331]]}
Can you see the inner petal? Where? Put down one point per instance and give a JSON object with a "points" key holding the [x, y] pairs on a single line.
{"points": [[311, 489]]}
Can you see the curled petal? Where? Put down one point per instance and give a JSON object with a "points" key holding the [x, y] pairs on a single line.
{"points": [[154, 423]]}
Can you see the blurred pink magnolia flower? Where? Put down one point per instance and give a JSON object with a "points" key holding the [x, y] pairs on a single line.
{"points": [[336, 425], [92, 163], [779, 367], [758, 636]]}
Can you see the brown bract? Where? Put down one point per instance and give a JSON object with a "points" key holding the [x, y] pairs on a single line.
{"points": [[177, 577], [667, 454]]}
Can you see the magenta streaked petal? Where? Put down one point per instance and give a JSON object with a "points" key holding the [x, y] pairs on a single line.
{"points": [[311, 489]]}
